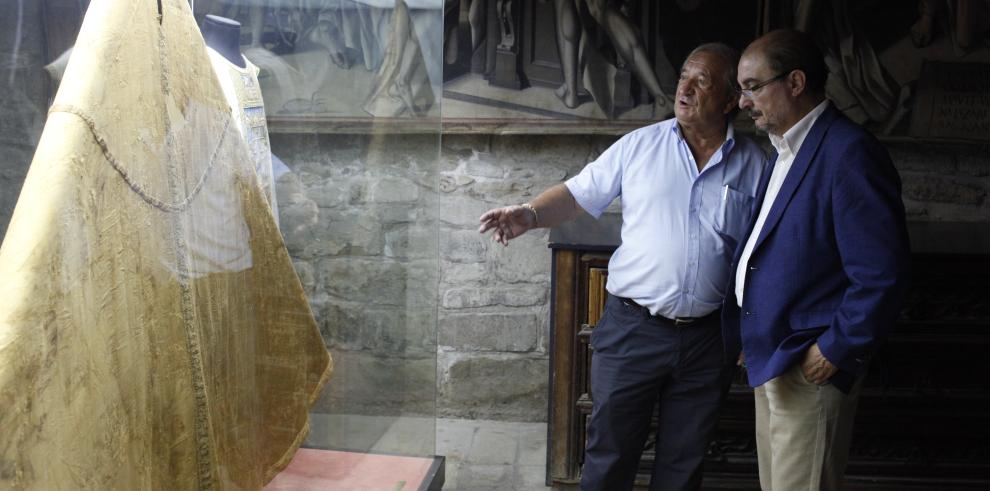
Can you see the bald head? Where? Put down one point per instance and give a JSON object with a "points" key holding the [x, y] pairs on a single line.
{"points": [[787, 49]]}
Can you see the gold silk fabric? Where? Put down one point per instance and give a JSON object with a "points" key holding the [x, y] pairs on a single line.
{"points": [[153, 332]]}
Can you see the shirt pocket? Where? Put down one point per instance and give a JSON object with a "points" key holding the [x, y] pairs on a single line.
{"points": [[733, 214]]}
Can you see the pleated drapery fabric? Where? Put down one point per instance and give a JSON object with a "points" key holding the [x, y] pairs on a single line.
{"points": [[153, 332]]}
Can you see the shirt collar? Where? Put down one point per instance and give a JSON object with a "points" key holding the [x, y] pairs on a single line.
{"points": [[730, 138], [794, 137], [730, 135]]}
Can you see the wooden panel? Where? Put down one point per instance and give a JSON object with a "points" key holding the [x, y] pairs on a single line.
{"points": [[924, 415], [596, 294], [562, 465]]}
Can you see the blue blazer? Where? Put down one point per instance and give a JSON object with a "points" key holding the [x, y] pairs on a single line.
{"points": [[829, 265]]}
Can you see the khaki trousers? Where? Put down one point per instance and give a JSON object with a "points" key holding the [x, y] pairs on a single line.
{"points": [[803, 432]]}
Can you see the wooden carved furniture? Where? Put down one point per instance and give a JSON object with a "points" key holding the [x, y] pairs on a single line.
{"points": [[924, 415]]}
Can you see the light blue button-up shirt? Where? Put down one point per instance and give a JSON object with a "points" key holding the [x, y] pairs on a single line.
{"points": [[680, 227]]}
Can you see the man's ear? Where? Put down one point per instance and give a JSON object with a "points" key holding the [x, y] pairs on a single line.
{"points": [[797, 82]]}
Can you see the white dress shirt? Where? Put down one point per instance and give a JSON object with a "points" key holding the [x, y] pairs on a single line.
{"points": [[679, 226], [787, 148]]}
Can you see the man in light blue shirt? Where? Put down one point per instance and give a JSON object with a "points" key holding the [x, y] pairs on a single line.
{"points": [[687, 187]]}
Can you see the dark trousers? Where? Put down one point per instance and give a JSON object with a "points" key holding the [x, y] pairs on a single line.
{"points": [[640, 360]]}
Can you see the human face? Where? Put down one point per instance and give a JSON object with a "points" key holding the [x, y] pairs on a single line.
{"points": [[703, 97], [765, 95]]}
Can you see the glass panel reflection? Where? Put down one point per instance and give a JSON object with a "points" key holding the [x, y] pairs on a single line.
{"points": [[335, 109]]}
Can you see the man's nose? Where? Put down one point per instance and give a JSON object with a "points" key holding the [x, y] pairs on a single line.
{"points": [[744, 102]]}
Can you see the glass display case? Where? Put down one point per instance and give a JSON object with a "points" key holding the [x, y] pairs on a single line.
{"points": [[224, 244]]}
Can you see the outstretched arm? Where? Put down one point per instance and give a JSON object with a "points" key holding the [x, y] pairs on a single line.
{"points": [[551, 208]]}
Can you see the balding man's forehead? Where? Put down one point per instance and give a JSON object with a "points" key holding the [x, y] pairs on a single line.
{"points": [[708, 61]]}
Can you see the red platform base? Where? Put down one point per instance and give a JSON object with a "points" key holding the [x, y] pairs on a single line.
{"points": [[313, 469]]}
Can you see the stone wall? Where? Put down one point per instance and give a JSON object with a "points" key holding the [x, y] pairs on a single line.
{"points": [[358, 214], [404, 294], [944, 183], [494, 300]]}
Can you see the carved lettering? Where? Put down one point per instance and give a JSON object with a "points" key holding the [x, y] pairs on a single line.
{"points": [[953, 101]]}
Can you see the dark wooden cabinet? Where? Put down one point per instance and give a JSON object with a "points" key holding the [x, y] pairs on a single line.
{"points": [[924, 415]]}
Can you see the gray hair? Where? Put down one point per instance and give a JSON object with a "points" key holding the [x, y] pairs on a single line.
{"points": [[728, 54]]}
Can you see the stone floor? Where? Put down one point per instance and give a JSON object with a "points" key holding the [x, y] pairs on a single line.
{"points": [[493, 455], [480, 455]]}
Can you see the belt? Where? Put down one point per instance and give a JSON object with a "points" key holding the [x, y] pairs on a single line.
{"points": [[677, 321]]}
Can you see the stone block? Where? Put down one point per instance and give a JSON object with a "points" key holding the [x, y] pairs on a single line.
{"points": [[489, 332], [975, 161], [306, 274], [333, 193], [462, 212], [463, 246], [493, 446], [345, 170], [350, 232], [498, 387], [465, 143], [289, 189], [298, 215], [300, 152], [455, 274], [422, 280], [937, 189], [526, 259], [936, 159], [395, 151], [352, 431], [485, 477], [514, 296], [318, 302], [545, 175], [503, 191], [482, 165], [532, 451], [450, 182], [298, 223], [454, 438], [348, 148], [370, 281], [378, 384], [393, 190], [915, 211], [387, 331], [405, 241]]}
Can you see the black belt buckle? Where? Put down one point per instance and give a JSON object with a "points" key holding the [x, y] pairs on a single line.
{"points": [[679, 321]]}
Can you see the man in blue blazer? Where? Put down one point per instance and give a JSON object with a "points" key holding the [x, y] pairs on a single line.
{"points": [[819, 279]]}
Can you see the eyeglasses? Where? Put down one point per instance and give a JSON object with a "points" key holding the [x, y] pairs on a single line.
{"points": [[749, 92]]}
